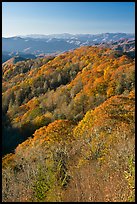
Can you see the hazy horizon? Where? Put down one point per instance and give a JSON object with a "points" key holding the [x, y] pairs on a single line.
{"points": [[66, 33], [47, 18]]}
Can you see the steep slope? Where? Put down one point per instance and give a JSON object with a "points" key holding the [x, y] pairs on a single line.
{"points": [[64, 87], [14, 60], [92, 161], [75, 114]]}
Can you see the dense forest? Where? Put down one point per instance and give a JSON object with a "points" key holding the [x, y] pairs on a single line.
{"points": [[68, 127]]}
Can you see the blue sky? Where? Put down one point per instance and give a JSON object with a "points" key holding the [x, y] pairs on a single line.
{"points": [[22, 18]]}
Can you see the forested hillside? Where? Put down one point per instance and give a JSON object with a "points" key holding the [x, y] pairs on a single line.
{"points": [[68, 127]]}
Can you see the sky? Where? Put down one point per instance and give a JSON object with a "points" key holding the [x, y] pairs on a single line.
{"points": [[23, 18]]}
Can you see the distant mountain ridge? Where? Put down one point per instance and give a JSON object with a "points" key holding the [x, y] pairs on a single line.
{"points": [[58, 43], [80, 36]]}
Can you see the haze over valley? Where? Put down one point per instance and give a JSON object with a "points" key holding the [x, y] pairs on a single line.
{"points": [[41, 45]]}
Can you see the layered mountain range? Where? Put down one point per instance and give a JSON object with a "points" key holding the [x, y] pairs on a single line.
{"points": [[40, 45]]}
